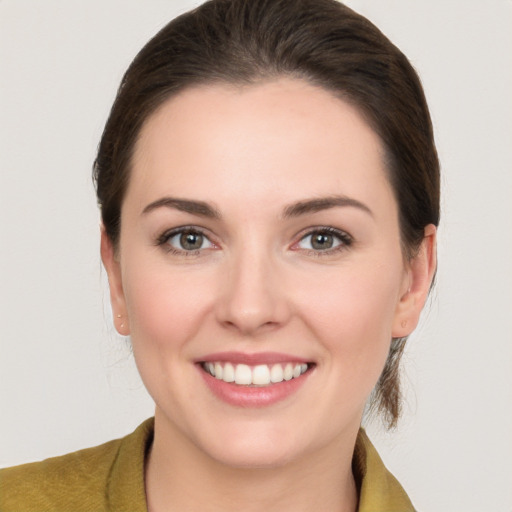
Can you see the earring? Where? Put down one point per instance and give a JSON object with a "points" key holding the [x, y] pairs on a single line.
{"points": [[121, 326]]}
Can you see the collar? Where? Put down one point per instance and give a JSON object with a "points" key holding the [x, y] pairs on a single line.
{"points": [[378, 488]]}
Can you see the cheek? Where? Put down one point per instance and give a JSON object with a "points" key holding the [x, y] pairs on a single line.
{"points": [[164, 306], [352, 314], [166, 309]]}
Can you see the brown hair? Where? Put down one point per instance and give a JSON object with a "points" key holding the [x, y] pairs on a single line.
{"points": [[320, 41]]}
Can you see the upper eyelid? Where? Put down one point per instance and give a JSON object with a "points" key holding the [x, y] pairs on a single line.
{"points": [[187, 227], [327, 229]]}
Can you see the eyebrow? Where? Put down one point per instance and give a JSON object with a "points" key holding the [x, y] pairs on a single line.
{"points": [[297, 209], [200, 208], [323, 203]]}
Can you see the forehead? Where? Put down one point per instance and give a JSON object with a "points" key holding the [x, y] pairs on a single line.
{"points": [[283, 138]]}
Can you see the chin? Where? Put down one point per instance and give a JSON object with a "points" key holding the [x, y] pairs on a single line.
{"points": [[251, 446], [256, 457]]}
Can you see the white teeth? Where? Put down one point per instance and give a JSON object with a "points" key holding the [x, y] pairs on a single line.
{"points": [[260, 375], [228, 375], [276, 373], [243, 374], [288, 372]]}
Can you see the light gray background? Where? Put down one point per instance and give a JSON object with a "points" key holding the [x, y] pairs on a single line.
{"points": [[67, 380]]}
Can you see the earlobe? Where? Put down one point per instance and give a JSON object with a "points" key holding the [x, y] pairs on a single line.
{"points": [[113, 269], [420, 274]]}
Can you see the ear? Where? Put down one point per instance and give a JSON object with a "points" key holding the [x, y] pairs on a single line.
{"points": [[419, 275], [117, 299]]}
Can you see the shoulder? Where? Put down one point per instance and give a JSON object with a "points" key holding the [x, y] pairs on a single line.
{"points": [[79, 481], [67, 481], [76, 481]]}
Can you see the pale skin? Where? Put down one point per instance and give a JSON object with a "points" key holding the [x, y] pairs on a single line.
{"points": [[244, 168]]}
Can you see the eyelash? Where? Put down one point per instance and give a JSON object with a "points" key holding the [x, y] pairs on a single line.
{"points": [[164, 238], [345, 241]]}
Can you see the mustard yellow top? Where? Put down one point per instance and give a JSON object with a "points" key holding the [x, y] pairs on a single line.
{"points": [[110, 478]]}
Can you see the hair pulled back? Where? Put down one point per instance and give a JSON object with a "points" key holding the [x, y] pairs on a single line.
{"points": [[320, 41]]}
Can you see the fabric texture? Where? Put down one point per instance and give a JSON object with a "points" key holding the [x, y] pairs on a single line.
{"points": [[110, 478]]}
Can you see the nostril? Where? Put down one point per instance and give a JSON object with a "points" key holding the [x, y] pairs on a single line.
{"points": [[247, 327]]}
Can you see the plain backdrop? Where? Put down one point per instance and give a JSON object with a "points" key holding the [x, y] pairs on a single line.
{"points": [[68, 381]]}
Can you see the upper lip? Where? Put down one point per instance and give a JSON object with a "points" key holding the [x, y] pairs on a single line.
{"points": [[252, 359]]}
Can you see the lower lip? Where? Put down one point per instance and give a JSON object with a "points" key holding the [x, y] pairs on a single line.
{"points": [[253, 396]]}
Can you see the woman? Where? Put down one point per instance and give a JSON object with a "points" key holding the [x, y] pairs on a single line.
{"points": [[269, 191]]}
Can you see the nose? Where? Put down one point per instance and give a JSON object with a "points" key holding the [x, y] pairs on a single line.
{"points": [[253, 294]]}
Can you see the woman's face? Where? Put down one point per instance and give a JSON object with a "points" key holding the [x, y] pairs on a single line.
{"points": [[260, 242]]}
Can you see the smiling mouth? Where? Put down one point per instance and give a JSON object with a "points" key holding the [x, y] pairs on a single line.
{"points": [[257, 376]]}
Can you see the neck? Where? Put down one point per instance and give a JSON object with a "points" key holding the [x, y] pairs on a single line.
{"points": [[180, 477]]}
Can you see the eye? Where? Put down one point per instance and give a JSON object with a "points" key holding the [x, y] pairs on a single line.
{"points": [[324, 240], [185, 240]]}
